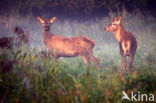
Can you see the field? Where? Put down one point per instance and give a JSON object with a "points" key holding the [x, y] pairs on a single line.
{"points": [[29, 77]]}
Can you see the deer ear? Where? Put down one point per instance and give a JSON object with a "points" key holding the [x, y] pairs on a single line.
{"points": [[40, 19], [117, 20], [120, 18], [52, 19]]}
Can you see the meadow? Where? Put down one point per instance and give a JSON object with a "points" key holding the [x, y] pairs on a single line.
{"points": [[28, 76]]}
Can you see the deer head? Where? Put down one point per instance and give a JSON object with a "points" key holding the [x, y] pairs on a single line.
{"points": [[46, 23], [116, 22]]}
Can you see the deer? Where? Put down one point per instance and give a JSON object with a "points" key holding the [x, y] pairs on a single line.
{"points": [[127, 42], [61, 46]]}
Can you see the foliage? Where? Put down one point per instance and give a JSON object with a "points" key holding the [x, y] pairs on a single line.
{"points": [[34, 79], [73, 6]]}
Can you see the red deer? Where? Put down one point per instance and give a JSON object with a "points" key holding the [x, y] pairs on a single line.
{"points": [[61, 46], [127, 41]]}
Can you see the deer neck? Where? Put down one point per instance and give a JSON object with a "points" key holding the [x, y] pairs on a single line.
{"points": [[46, 32], [47, 35], [119, 33]]}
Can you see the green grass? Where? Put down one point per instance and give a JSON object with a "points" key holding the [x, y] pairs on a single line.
{"points": [[33, 79]]}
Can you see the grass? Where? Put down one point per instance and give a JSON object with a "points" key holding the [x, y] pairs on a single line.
{"points": [[29, 78]]}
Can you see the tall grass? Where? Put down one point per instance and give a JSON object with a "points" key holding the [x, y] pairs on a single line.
{"points": [[32, 78]]}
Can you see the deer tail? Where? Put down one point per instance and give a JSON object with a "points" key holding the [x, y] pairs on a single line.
{"points": [[126, 46]]}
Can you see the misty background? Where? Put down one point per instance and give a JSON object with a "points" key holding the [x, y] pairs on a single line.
{"points": [[83, 17]]}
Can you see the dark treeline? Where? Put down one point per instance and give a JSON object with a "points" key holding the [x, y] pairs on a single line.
{"points": [[74, 8]]}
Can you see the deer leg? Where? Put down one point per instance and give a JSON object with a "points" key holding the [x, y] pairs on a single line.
{"points": [[86, 60], [55, 55], [124, 64], [56, 58], [96, 61], [131, 62]]}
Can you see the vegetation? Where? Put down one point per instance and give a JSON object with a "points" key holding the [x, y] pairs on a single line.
{"points": [[72, 7], [32, 77]]}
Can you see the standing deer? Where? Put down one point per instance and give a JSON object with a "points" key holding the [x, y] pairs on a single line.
{"points": [[127, 41], [61, 46]]}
